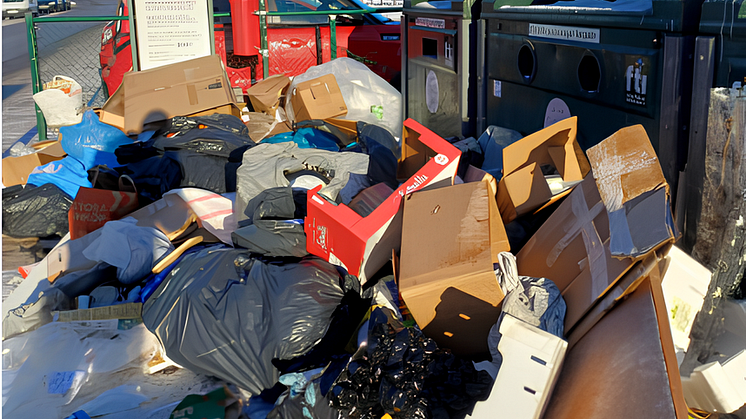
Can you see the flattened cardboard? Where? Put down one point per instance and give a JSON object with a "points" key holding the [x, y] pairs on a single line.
{"points": [[179, 89], [319, 98], [362, 245], [265, 95], [523, 187], [446, 274], [625, 366], [119, 311], [634, 190], [572, 249], [17, 169]]}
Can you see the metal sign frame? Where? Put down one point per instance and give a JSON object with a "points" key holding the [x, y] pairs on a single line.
{"points": [[192, 37]]}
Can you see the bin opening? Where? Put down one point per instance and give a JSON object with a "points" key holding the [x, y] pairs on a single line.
{"points": [[589, 73], [527, 62], [430, 48]]}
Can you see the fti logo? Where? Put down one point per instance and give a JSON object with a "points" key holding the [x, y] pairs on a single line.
{"points": [[637, 83]]}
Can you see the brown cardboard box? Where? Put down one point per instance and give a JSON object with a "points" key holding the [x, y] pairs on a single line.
{"points": [[450, 238], [631, 184], [319, 98], [574, 246], [265, 95], [625, 365], [189, 87], [119, 311], [17, 169], [523, 187]]}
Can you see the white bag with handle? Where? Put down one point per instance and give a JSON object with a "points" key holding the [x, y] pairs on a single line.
{"points": [[61, 102]]}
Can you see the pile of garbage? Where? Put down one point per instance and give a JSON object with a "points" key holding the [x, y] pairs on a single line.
{"points": [[318, 257]]}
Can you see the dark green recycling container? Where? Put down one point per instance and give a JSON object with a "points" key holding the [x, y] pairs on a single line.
{"points": [[726, 22], [620, 64]]}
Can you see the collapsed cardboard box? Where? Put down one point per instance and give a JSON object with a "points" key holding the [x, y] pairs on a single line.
{"points": [[189, 88], [625, 365], [318, 98], [113, 312], [17, 169], [450, 239], [572, 248], [363, 245], [265, 95], [524, 187]]}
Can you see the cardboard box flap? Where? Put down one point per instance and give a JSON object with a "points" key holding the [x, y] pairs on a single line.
{"points": [[623, 367], [16, 170], [632, 186], [265, 95]]}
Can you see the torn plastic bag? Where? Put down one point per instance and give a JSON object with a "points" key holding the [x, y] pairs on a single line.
{"points": [[48, 370], [68, 174], [368, 97], [536, 301], [222, 313], [492, 142], [275, 226], [402, 373], [81, 141], [217, 404], [35, 211], [271, 165]]}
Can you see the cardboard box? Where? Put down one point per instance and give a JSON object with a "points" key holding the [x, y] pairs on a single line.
{"points": [[319, 98], [265, 95], [451, 237], [624, 366], [119, 311], [523, 187], [198, 86], [362, 245], [634, 190], [17, 169], [573, 247]]}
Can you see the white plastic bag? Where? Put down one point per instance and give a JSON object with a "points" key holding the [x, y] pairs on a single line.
{"points": [[368, 97], [60, 102]]}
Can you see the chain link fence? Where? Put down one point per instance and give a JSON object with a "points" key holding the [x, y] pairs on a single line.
{"points": [[69, 47]]}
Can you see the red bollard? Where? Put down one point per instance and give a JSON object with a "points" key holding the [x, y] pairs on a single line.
{"points": [[245, 27]]}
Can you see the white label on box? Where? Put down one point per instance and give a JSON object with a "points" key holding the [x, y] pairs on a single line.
{"points": [[430, 22], [497, 88], [565, 33]]}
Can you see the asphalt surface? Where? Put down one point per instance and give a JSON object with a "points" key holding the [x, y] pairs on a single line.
{"points": [[69, 49]]}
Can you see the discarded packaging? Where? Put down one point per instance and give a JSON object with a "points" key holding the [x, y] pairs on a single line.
{"points": [[318, 98], [194, 87], [17, 169], [265, 95]]}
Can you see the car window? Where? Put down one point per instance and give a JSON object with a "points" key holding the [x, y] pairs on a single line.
{"points": [[12, 1], [306, 6]]}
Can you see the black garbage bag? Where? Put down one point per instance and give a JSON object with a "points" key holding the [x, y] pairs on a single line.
{"points": [[35, 211], [403, 373], [220, 312], [217, 135], [274, 224]]}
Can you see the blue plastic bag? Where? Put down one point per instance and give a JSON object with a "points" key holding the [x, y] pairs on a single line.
{"points": [[83, 141], [306, 138], [67, 174]]}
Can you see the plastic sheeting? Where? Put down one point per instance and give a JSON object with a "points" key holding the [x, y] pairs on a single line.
{"points": [[35, 211], [222, 313], [268, 165], [45, 370], [83, 140], [362, 89]]}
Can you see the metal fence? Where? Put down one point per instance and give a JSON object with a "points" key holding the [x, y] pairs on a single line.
{"points": [[66, 46]]}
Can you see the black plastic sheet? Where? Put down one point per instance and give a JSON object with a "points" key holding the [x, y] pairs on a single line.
{"points": [[35, 211]]}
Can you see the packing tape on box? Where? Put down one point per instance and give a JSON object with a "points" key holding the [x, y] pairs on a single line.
{"points": [[594, 247], [610, 166]]}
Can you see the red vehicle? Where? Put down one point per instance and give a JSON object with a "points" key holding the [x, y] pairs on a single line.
{"points": [[295, 42]]}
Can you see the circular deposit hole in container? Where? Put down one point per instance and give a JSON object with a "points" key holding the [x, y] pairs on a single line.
{"points": [[527, 62], [589, 73]]}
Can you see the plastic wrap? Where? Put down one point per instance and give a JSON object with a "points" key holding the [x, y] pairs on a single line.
{"points": [[365, 93], [35, 211], [222, 313]]}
